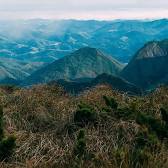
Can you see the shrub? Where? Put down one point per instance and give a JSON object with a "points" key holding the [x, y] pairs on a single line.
{"points": [[153, 124], [145, 142], [146, 139], [111, 102], [119, 155], [124, 113], [7, 144], [1, 124], [141, 158], [71, 128], [164, 114], [85, 115], [80, 148]]}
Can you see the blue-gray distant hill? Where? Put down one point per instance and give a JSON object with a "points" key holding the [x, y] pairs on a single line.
{"points": [[13, 71], [148, 68], [48, 40], [78, 86], [84, 63]]}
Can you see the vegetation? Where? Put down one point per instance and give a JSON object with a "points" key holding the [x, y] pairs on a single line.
{"points": [[85, 115], [7, 144], [98, 128]]}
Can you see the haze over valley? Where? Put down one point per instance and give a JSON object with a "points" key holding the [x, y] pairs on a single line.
{"points": [[33, 44]]}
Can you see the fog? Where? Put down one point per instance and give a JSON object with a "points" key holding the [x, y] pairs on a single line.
{"points": [[80, 9]]}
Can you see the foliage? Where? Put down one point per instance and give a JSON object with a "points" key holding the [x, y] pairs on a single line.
{"points": [[7, 144], [1, 124], [111, 102], [52, 132], [85, 115], [125, 113], [80, 147], [154, 124], [164, 114]]}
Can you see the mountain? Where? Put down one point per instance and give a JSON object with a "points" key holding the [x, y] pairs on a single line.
{"points": [[84, 63], [12, 71], [48, 40], [148, 68], [113, 81]]}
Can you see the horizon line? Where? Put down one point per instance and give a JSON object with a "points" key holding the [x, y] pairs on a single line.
{"points": [[87, 19]]}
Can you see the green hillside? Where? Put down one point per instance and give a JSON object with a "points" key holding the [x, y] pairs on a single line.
{"points": [[84, 63]]}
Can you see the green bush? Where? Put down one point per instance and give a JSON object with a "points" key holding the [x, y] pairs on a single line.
{"points": [[1, 124], [80, 147], [164, 114], [113, 110], [124, 113], [7, 144], [85, 115], [154, 124], [111, 102], [144, 138], [141, 158], [119, 155]]}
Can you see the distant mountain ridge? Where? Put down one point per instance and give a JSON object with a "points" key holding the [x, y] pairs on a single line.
{"points": [[12, 71], [48, 40], [116, 83], [148, 68], [84, 63], [27, 45]]}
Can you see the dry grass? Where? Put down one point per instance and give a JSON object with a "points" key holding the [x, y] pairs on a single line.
{"points": [[38, 117]]}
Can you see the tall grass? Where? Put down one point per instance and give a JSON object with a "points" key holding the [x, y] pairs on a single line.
{"points": [[41, 117]]}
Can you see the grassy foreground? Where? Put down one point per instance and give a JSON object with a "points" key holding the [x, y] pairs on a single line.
{"points": [[100, 128]]}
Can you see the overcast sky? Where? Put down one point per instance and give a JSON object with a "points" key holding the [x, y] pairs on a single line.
{"points": [[83, 9]]}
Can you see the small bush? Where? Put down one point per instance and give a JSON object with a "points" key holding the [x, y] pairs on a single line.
{"points": [[119, 155], [146, 139], [164, 114], [7, 144], [124, 113], [111, 102], [80, 148], [141, 158], [71, 128], [153, 124], [85, 115], [1, 124], [113, 110]]}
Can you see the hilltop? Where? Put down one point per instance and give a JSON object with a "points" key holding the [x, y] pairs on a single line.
{"points": [[148, 68], [84, 63]]}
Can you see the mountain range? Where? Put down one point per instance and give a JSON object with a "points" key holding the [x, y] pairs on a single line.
{"points": [[77, 53], [76, 86], [48, 40], [12, 71], [148, 68], [82, 64]]}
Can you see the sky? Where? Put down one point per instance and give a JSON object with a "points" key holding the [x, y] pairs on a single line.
{"points": [[83, 9]]}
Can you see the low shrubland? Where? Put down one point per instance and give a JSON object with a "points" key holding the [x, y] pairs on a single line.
{"points": [[98, 128]]}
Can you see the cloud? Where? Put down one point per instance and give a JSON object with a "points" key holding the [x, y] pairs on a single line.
{"points": [[83, 8]]}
